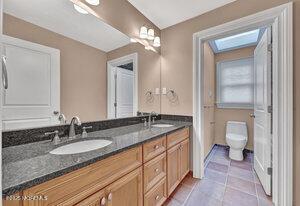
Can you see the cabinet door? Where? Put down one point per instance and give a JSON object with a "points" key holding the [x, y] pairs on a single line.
{"points": [[126, 191], [184, 158], [173, 168], [97, 199]]}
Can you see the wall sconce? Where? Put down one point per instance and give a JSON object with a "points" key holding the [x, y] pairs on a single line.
{"points": [[144, 32], [156, 42], [150, 34]]}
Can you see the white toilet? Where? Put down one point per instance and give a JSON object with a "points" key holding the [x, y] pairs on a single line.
{"points": [[236, 138]]}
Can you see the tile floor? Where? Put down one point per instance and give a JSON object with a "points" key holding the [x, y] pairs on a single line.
{"points": [[226, 183]]}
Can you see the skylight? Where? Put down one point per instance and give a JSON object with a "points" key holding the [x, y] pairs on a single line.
{"points": [[237, 41]]}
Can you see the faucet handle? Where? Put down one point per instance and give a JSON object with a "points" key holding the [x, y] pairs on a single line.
{"points": [[50, 133], [55, 139], [153, 119], [88, 127]]}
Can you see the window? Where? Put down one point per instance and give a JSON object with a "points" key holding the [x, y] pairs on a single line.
{"points": [[235, 83]]}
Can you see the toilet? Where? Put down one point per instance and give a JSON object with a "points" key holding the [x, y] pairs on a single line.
{"points": [[236, 138]]}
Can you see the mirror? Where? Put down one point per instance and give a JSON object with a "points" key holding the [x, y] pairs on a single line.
{"points": [[62, 63]]}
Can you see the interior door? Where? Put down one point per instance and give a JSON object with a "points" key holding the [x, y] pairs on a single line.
{"points": [[262, 115], [32, 97], [124, 92]]}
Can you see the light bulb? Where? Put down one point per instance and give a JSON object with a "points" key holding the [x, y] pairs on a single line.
{"points": [[93, 2], [156, 42], [150, 34], [80, 10], [143, 32]]}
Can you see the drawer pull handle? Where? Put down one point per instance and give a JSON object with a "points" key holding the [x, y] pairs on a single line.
{"points": [[157, 197], [109, 198], [156, 147], [156, 170], [103, 201]]}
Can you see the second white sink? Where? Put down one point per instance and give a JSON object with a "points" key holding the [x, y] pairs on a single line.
{"points": [[80, 147], [162, 125]]}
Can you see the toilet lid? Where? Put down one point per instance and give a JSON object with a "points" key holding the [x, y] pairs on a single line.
{"points": [[236, 136]]}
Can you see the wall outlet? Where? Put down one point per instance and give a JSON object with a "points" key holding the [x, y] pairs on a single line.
{"points": [[164, 90]]}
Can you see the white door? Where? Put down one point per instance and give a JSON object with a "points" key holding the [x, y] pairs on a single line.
{"points": [[262, 120], [32, 98], [124, 92]]}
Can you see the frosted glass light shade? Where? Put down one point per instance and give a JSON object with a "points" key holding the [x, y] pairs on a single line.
{"points": [[144, 32], [150, 34], [80, 10], [93, 2], [156, 42]]}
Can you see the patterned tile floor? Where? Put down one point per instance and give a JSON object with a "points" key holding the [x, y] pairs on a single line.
{"points": [[226, 183]]}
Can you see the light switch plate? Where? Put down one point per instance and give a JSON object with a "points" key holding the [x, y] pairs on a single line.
{"points": [[157, 91], [164, 90]]}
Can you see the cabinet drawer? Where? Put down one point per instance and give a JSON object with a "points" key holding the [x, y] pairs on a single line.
{"points": [[154, 148], [78, 185], [154, 171], [178, 136], [157, 195]]}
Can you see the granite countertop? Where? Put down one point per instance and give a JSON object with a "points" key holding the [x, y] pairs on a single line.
{"points": [[24, 166]]}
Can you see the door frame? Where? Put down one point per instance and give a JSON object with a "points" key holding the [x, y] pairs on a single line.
{"points": [[281, 19], [117, 62]]}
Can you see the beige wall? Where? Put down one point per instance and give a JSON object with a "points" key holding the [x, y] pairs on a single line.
{"points": [[209, 99], [82, 69], [177, 61], [224, 115], [148, 74]]}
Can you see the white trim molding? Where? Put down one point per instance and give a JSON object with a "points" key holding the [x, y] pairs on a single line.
{"points": [[117, 62], [281, 20]]}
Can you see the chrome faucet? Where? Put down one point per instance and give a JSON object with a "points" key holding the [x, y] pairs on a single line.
{"points": [[150, 118], [72, 132]]}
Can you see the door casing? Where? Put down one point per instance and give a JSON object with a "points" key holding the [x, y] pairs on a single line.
{"points": [[281, 20]]}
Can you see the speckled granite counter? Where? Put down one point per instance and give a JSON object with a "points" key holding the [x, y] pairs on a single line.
{"points": [[31, 164]]}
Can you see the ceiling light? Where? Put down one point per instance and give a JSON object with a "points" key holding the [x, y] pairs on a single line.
{"points": [[156, 42], [80, 10], [150, 35], [144, 32], [93, 2]]}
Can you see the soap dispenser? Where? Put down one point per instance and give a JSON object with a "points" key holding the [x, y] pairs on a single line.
{"points": [[84, 132]]}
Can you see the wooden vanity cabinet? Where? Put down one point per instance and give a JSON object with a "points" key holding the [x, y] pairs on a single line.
{"points": [[125, 191], [177, 158], [144, 175]]}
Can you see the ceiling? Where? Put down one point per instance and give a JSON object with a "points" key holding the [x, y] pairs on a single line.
{"points": [[59, 16], [165, 13]]}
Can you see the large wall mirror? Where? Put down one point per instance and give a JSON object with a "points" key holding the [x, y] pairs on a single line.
{"points": [[62, 63]]}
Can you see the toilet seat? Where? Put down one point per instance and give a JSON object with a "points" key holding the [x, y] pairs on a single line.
{"points": [[236, 137]]}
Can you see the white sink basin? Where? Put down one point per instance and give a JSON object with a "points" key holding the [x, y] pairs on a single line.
{"points": [[80, 147], [162, 125]]}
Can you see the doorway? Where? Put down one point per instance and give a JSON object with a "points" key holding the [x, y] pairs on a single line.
{"points": [[122, 84], [280, 20]]}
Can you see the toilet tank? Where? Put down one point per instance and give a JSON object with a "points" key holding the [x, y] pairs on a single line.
{"points": [[239, 128]]}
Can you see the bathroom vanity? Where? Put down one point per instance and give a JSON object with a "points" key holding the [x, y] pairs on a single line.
{"points": [[142, 166]]}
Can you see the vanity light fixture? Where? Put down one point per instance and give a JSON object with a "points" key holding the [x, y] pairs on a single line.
{"points": [[150, 35], [156, 42], [144, 32], [80, 10], [93, 2]]}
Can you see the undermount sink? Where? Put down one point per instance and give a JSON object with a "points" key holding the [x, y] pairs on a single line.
{"points": [[80, 147], [162, 125]]}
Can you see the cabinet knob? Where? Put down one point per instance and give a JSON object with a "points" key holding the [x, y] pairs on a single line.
{"points": [[103, 201], [109, 198], [156, 147], [157, 197], [156, 170]]}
